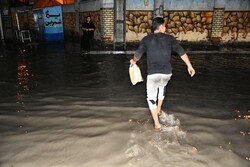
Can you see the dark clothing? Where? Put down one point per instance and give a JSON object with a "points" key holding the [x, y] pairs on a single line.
{"points": [[87, 39], [158, 47]]}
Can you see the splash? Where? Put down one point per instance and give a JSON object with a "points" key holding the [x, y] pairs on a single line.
{"points": [[168, 119], [159, 146]]}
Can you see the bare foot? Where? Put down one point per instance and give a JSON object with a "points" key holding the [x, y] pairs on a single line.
{"points": [[159, 112], [158, 126]]}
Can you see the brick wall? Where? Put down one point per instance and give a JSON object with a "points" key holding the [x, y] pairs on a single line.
{"points": [[218, 18], [107, 24]]}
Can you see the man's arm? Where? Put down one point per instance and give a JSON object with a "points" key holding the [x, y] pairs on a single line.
{"points": [[190, 69], [92, 27], [84, 27], [139, 52]]}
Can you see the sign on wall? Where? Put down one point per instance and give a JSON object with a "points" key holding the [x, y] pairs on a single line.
{"points": [[53, 23]]}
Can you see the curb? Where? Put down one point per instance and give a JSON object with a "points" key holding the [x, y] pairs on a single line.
{"points": [[188, 52]]}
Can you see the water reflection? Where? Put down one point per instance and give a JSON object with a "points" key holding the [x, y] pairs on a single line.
{"points": [[24, 76], [244, 117], [23, 87]]}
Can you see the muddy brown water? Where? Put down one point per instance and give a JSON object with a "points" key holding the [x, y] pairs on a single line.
{"points": [[61, 108]]}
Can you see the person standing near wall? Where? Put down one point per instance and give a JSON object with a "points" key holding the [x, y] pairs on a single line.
{"points": [[158, 48], [88, 29]]}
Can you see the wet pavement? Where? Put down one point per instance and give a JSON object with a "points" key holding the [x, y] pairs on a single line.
{"points": [[59, 107], [190, 48]]}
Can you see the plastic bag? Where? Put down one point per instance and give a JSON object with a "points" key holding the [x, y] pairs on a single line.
{"points": [[135, 74]]}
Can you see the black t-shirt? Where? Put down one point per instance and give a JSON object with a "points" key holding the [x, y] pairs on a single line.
{"points": [[88, 25], [158, 47]]}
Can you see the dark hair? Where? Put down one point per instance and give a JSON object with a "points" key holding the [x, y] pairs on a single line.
{"points": [[156, 23]]}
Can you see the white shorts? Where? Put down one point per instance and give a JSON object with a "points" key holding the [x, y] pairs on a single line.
{"points": [[156, 88]]}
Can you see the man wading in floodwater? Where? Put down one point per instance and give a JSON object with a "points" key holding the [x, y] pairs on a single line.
{"points": [[158, 47]]}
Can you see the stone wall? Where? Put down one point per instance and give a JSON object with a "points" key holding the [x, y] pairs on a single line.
{"points": [[69, 23], [205, 21], [236, 26], [184, 25]]}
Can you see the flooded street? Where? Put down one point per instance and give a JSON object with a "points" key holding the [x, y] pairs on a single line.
{"points": [[59, 108]]}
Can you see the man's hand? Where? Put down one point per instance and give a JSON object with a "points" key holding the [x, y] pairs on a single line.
{"points": [[132, 61], [191, 71]]}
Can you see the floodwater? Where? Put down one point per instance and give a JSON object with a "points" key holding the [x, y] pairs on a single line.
{"points": [[59, 108]]}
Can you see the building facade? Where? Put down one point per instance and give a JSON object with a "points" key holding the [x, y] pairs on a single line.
{"points": [[211, 20]]}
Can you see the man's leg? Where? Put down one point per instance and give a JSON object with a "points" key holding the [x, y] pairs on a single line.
{"points": [[151, 99], [88, 43], [154, 113], [159, 105], [162, 90], [84, 42]]}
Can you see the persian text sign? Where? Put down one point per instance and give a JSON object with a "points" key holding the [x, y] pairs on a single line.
{"points": [[53, 23]]}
